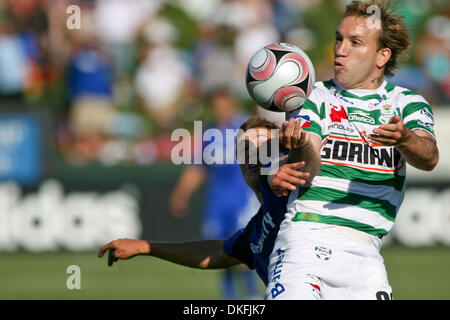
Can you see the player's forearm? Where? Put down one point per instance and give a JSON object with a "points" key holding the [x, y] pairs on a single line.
{"points": [[420, 152], [204, 254], [190, 180], [309, 153]]}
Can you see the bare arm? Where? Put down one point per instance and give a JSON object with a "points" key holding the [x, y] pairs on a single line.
{"points": [[418, 147], [203, 254], [191, 179], [304, 147], [309, 153], [304, 157]]}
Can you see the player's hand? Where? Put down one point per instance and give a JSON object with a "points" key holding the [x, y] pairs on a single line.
{"points": [[291, 134], [390, 134], [287, 177], [124, 249]]}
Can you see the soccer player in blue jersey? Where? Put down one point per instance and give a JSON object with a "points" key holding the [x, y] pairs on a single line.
{"points": [[229, 202], [253, 244]]}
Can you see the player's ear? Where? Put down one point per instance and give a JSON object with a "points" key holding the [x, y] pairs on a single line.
{"points": [[383, 56]]}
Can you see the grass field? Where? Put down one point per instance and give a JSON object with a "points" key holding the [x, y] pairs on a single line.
{"points": [[414, 273]]}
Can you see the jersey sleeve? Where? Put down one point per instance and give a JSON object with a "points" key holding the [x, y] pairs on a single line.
{"points": [[417, 113], [238, 245]]}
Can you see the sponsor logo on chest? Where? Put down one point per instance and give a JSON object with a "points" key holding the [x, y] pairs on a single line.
{"points": [[348, 128], [364, 116]]}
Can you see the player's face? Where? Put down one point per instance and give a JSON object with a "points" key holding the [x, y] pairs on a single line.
{"points": [[223, 109], [356, 54], [257, 136], [254, 138]]}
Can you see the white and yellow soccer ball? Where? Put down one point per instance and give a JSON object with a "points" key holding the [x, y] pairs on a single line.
{"points": [[280, 77]]}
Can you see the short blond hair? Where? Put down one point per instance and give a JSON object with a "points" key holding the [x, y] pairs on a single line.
{"points": [[394, 34]]}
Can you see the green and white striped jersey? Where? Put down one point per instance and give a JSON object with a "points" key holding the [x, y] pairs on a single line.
{"points": [[361, 185]]}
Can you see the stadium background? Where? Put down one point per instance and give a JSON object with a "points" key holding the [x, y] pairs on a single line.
{"points": [[86, 116]]}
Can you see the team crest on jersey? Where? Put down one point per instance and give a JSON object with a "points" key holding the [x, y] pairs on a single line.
{"points": [[323, 253], [387, 112]]}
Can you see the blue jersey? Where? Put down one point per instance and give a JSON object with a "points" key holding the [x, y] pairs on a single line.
{"points": [[89, 74], [227, 193], [253, 244]]}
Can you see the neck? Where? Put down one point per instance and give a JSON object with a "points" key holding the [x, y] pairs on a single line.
{"points": [[376, 82], [372, 83]]}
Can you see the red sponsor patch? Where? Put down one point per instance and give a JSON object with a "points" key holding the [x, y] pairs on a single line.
{"points": [[337, 113]]}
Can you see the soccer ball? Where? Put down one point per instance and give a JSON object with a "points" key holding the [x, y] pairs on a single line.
{"points": [[280, 77]]}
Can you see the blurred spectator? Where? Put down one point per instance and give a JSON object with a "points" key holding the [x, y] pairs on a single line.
{"points": [[89, 72], [213, 56], [90, 81], [415, 79], [322, 18], [285, 16], [204, 11], [33, 26], [256, 30], [436, 54], [118, 25], [13, 60], [162, 76]]}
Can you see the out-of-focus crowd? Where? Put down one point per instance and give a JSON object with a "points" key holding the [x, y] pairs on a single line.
{"points": [[137, 69]]}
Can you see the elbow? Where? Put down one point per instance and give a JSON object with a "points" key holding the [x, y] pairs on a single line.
{"points": [[431, 164], [314, 172], [434, 161], [318, 169]]}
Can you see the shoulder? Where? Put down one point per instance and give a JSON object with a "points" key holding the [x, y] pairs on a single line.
{"points": [[404, 96], [415, 110], [317, 96], [323, 88]]}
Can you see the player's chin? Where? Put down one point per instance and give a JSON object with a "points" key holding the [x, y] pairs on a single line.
{"points": [[341, 77], [338, 69]]}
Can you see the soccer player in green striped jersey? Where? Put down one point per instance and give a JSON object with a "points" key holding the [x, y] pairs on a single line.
{"points": [[328, 245]]}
